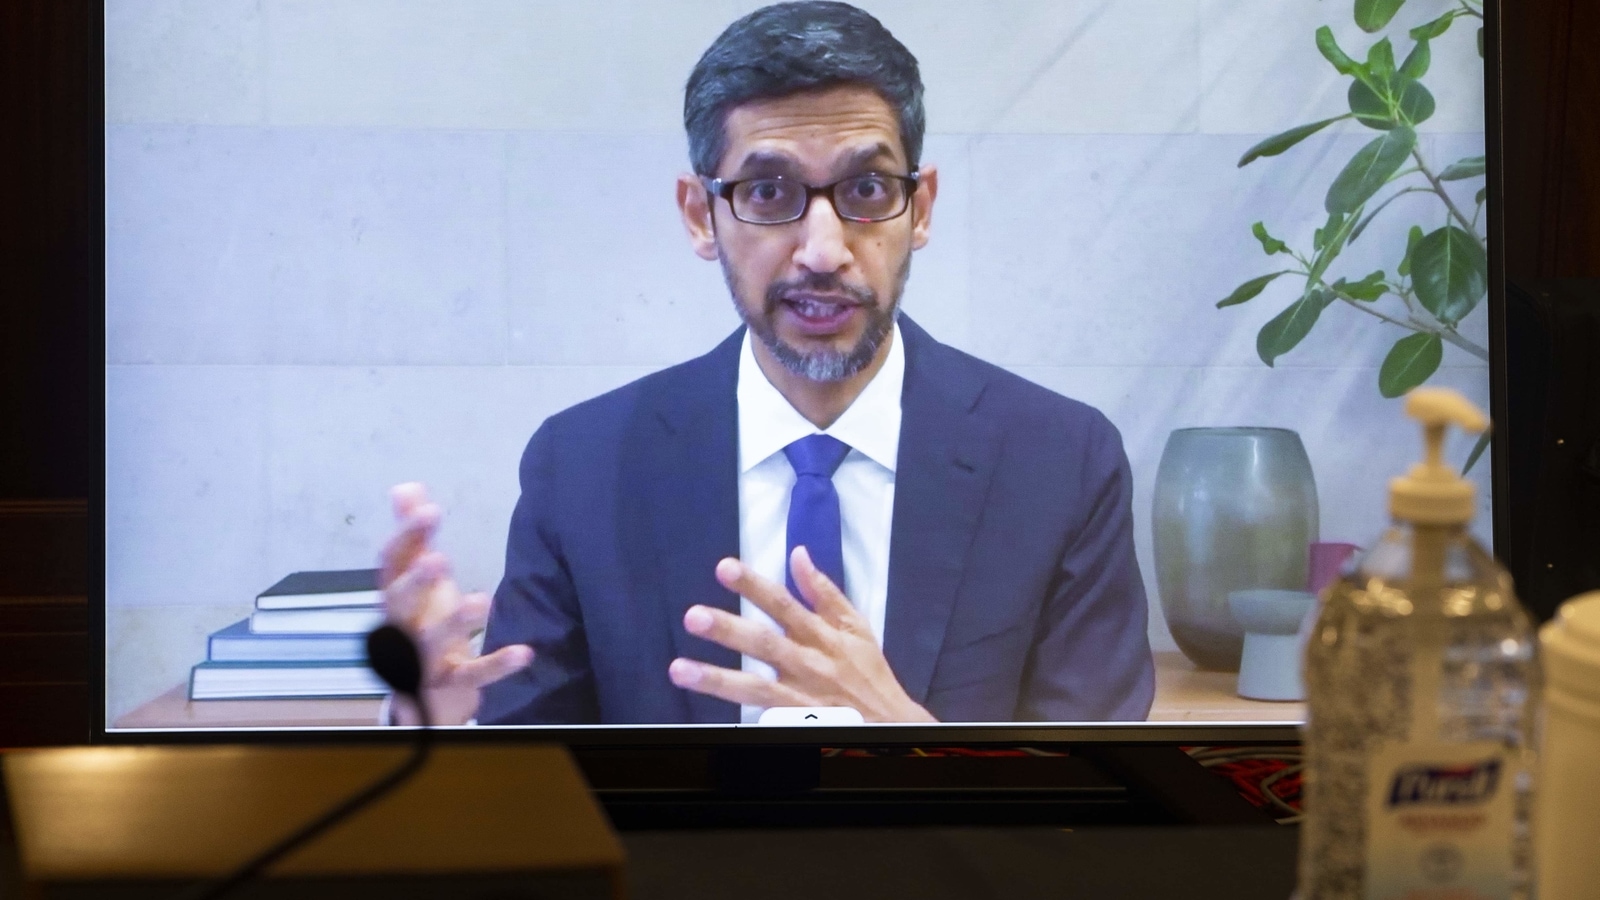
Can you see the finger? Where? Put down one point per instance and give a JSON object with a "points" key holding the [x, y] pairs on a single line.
{"points": [[487, 669], [410, 541], [744, 635], [824, 596], [799, 623], [407, 496], [736, 687], [407, 598], [457, 624]]}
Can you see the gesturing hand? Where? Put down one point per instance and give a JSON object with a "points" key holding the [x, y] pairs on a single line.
{"points": [[824, 658], [420, 597]]}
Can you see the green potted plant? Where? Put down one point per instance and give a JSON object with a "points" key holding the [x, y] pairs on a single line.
{"points": [[1440, 276]]}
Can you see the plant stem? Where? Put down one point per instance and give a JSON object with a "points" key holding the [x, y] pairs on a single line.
{"points": [[1449, 335], [1438, 188], [1411, 304], [1404, 293], [1413, 189]]}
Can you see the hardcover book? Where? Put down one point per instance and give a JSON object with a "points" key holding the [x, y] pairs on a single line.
{"points": [[338, 620], [281, 680], [237, 643], [314, 590]]}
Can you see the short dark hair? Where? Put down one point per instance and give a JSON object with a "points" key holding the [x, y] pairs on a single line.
{"points": [[791, 47]]}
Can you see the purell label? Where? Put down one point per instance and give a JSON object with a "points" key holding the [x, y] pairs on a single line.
{"points": [[1430, 785], [1439, 822]]}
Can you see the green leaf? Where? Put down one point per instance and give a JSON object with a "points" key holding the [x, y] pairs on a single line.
{"points": [[1451, 273], [1332, 53], [1369, 288], [1399, 100], [1278, 143], [1477, 451], [1269, 244], [1471, 167], [1289, 327], [1417, 61], [1416, 102], [1412, 236], [1480, 43], [1320, 238], [1482, 193], [1409, 363], [1427, 31], [1248, 290], [1380, 60], [1369, 108], [1333, 236], [1369, 170], [1372, 15]]}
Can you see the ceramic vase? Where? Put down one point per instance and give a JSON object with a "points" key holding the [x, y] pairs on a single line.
{"points": [[1235, 509]]}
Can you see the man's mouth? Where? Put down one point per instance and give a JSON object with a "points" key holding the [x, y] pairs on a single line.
{"points": [[820, 315]]}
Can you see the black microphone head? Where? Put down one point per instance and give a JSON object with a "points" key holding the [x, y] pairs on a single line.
{"points": [[393, 655]]}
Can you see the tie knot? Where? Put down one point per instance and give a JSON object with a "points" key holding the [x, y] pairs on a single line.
{"points": [[818, 454]]}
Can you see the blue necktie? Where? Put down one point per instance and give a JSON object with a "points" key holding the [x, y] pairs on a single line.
{"points": [[814, 507]]}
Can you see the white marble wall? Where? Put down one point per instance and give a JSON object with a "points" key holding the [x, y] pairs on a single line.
{"points": [[358, 242]]}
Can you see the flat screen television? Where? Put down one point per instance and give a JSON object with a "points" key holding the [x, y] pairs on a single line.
{"points": [[469, 244]]}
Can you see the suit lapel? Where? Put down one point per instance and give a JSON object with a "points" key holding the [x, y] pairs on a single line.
{"points": [[947, 455], [692, 490]]}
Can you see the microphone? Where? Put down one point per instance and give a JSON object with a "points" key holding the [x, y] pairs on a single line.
{"points": [[393, 655]]}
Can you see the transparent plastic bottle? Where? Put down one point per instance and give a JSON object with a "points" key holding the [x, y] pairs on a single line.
{"points": [[1420, 679]]}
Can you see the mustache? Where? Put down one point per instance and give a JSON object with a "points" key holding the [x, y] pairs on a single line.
{"points": [[819, 282]]}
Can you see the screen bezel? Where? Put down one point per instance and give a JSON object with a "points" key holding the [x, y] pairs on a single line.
{"points": [[694, 736]]}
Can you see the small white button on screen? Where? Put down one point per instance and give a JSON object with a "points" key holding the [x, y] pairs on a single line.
{"points": [[810, 715]]}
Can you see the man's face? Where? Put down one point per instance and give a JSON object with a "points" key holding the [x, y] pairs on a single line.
{"points": [[820, 292]]}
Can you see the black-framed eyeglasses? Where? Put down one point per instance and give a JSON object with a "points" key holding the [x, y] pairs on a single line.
{"points": [[774, 199]]}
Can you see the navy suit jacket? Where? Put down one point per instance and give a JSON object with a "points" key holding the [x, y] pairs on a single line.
{"points": [[1014, 594]]}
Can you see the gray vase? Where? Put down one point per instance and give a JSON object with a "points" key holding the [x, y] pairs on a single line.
{"points": [[1235, 509]]}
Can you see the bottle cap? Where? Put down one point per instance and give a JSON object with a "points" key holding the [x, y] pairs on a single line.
{"points": [[1432, 493], [1571, 649]]}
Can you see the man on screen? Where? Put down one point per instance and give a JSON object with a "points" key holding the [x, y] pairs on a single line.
{"points": [[829, 509]]}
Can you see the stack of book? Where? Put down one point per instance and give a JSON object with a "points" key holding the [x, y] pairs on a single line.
{"points": [[307, 638]]}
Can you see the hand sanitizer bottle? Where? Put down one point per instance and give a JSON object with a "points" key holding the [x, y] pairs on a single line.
{"points": [[1420, 673]]}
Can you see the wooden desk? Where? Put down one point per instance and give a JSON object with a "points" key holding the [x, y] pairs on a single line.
{"points": [[174, 709], [1183, 694], [1187, 694]]}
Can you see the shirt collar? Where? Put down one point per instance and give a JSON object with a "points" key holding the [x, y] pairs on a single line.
{"points": [[871, 425]]}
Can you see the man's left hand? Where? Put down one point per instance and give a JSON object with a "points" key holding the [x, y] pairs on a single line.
{"points": [[828, 657]]}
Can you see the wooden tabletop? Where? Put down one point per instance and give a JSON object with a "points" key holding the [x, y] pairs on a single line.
{"points": [[174, 709], [1183, 694]]}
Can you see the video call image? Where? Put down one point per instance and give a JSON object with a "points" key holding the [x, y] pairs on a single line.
{"points": [[719, 364]]}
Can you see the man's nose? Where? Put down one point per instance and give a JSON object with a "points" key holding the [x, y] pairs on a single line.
{"points": [[822, 246]]}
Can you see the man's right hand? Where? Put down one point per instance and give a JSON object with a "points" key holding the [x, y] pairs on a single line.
{"points": [[420, 597]]}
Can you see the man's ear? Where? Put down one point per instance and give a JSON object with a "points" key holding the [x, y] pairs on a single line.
{"points": [[922, 205], [694, 203]]}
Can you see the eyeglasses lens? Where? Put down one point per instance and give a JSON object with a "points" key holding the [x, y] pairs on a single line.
{"points": [[773, 200]]}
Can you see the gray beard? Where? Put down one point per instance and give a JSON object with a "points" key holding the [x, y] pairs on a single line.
{"points": [[823, 365]]}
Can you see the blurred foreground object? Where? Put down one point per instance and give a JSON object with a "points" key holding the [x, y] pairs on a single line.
{"points": [[1420, 679], [1569, 775], [143, 821]]}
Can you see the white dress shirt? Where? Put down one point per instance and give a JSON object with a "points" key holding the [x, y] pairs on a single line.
{"points": [[865, 482]]}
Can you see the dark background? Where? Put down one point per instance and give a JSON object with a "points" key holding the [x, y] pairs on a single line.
{"points": [[51, 273]]}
